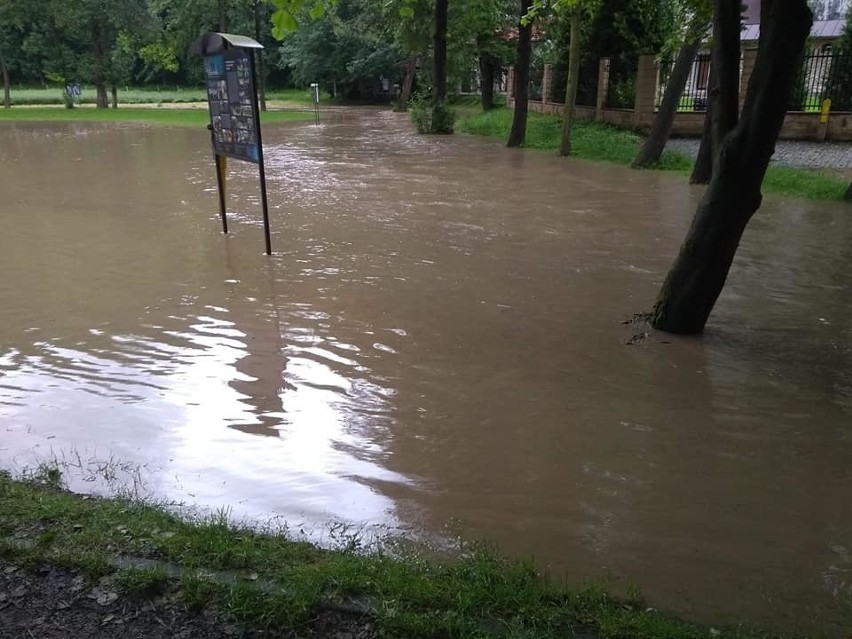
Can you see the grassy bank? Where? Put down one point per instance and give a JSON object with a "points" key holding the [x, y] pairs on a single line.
{"points": [[603, 143], [170, 116], [49, 96], [273, 582]]}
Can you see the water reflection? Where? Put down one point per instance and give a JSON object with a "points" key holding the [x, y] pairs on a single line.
{"points": [[439, 338]]}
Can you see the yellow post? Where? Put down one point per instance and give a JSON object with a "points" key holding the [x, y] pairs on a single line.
{"points": [[823, 120], [823, 115]]}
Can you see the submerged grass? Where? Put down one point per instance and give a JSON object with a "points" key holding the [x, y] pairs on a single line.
{"points": [[605, 143], [275, 582], [170, 116]]}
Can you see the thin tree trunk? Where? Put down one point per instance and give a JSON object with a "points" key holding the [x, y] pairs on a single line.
{"points": [[487, 67], [7, 93], [522, 80], [698, 275], [261, 70], [702, 171], [655, 143], [114, 90], [439, 95], [407, 83], [571, 83], [441, 119]]}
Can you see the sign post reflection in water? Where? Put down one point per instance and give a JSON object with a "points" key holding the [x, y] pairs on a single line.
{"points": [[229, 68]]}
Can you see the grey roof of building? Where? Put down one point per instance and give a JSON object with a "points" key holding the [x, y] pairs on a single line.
{"points": [[820, 29]]}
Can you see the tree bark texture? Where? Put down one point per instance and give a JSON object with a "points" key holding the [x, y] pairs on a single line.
{"points": [[114, 90], [439, 91], [7, 93], [487, 71], [655, 143], [702, 170], [522, 80], [571, 83], [698, 275], [407, 83], [725, 58], [102, 97]]}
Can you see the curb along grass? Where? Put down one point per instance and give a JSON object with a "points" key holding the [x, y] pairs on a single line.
{"points": [[605, 143], [268, 581]]}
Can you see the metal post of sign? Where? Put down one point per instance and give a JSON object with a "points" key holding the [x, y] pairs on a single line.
{"points": [[261, 167], [315, 87], [220, 182]]}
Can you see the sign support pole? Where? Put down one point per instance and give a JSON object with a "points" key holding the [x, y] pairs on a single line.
{"points": [[220, 182], [261, 167]]}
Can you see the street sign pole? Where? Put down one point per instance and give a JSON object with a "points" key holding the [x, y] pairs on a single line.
{"points": [[221, 164], [261, 166]]}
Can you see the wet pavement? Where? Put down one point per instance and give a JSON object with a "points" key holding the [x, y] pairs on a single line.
{"points": [[436, 347]]}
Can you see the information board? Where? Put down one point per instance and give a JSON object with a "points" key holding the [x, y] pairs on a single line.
{"points": [[231, 96]]}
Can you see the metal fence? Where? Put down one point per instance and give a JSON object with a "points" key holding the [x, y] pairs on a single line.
{"points": [[821, 75], [694, 96]]}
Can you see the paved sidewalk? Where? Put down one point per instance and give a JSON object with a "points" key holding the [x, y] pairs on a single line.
{"points": [[811, 155]]}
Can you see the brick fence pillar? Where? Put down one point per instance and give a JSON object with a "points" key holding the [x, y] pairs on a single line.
{"points": [[603, 88], [546, 82], [646, 91], [749, 58]]}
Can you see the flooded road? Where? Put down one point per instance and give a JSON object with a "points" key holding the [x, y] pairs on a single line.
{"points": [[438, 343]]}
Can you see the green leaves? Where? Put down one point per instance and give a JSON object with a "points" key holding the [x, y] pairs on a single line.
{"points": [[284, 18]]}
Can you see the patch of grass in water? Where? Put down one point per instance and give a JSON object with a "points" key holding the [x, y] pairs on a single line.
{"points": [[605, 143]]}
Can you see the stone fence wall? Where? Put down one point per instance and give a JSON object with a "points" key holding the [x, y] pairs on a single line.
{"points": [[798, 125]]}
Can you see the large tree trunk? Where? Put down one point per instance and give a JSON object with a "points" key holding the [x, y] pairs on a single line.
{"points": [[725, 58], [522, 79], [698, 275], [441, 122], [7, 94], [114, 90], [655, 143], [571, 83], [487, 70], [102, 99]]}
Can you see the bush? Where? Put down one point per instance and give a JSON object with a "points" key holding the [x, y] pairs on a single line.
{"points": [[429, 119]]}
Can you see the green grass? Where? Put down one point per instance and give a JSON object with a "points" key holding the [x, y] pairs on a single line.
{"points": [[170, 116], [279, 583], [145, 95], [604, 143]]}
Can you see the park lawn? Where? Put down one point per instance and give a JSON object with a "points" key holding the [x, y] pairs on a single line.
{"points": [[51, 96], [168, 116], [605, 143], [271, 582]]}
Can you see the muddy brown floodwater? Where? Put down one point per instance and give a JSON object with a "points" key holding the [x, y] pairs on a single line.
{"points": [[438, 341]]}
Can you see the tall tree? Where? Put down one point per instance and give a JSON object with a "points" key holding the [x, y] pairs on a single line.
{"points": [[696, 17], [442, 121], [723, 87], [518, 133], [698, 274], [572, 82]]}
